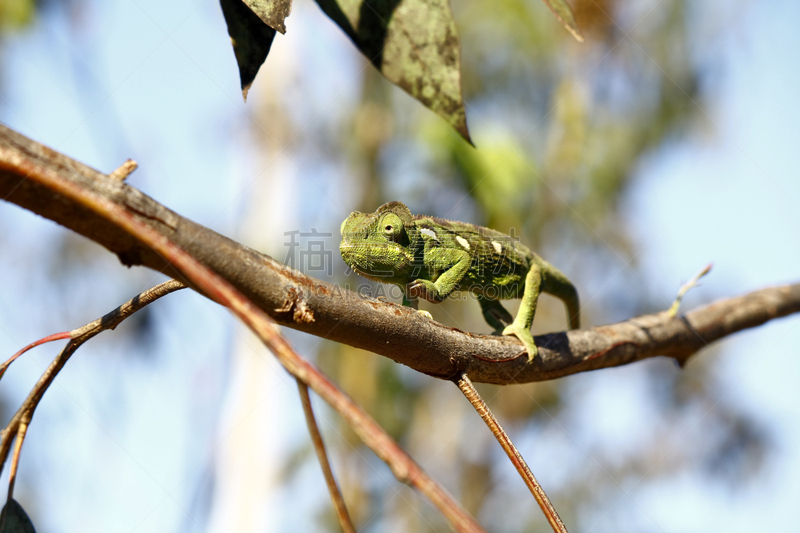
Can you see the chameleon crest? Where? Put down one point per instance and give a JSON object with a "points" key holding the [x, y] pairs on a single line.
{"points": [[430, 258]]}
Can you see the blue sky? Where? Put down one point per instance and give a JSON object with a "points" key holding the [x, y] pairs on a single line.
{"points": [[156, 81]]}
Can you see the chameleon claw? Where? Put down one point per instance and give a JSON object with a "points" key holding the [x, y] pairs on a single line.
{"points": [[424, 289], [425, 314], [524, 335]]}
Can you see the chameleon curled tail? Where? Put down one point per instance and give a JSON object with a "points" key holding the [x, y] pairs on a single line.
{"points": [[431, 258]]}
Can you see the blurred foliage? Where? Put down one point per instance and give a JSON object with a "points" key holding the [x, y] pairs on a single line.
{"points": [[559, 129], [413, 43], [16, 13], [19, 14]]}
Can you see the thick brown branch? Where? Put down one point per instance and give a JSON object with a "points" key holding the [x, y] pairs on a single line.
{"points": [[27, 171], [403, 467]]}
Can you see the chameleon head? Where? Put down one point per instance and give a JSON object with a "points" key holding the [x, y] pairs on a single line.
{"points": [[376, 245]]}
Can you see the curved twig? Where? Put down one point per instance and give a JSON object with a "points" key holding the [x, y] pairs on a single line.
{"points": [[319, 446], [50, 338], [12, 476], [686, 287]]}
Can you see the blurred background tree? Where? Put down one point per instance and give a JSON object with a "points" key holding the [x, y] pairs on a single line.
{"points": [[562, 127], [564, 133]]}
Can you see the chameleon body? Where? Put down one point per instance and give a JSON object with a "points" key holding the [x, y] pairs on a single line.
{"points": [[430, 258]]}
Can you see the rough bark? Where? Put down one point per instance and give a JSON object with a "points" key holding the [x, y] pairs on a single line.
{"points": [[32, 176]]}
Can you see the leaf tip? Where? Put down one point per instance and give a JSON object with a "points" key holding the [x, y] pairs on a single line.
{"points": [[14, 518], [465, 135], [459, 123], [251, 39]]}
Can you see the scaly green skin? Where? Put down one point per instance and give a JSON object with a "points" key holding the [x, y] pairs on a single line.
{"points": [[430, 258]]}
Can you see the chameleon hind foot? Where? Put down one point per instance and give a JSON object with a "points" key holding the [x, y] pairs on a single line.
{"points": [[523, 334], [495, 315]]}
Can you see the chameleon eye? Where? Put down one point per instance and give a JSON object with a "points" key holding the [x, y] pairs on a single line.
{"points": [[392, 227]]}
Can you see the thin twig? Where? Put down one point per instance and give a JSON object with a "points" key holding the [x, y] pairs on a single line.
{"points": [[12, 476], [77, 337], [122, 172], [466, 386], [673, 310], [49, 338], [319, 446]]}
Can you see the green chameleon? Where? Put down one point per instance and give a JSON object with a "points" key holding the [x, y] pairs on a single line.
{"points": [[430, 258]]}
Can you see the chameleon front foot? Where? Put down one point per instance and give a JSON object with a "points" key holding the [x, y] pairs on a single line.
{"points": [[424, 289], [425, 314], [523, 334]]}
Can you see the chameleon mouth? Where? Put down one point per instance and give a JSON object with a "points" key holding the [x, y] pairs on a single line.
{"points": [[364, 261], [380, 277], [348, 251], [369, 276]]}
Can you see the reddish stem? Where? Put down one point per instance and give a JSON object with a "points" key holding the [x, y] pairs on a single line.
{"points": [[49, 338]]}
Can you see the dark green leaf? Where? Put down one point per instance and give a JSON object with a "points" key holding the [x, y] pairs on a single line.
{"points": [[414, 43], [563, 13], [251, 39], [13, 519], [272, 12]]}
